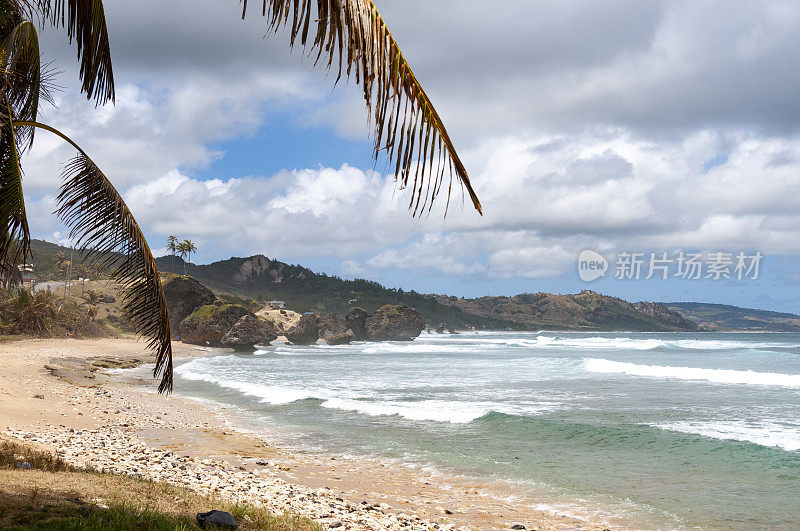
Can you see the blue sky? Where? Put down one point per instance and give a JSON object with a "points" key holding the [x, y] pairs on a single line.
{"points": [[639, 126]]}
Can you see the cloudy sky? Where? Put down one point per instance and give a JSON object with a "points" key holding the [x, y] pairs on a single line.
{"points": [[613, 126]]}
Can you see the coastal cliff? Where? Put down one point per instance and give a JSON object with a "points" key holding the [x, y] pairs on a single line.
{"points": [[586, 310], [306, 291]]}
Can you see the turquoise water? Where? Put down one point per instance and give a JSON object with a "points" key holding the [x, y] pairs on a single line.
{"points": [[646, 429]]}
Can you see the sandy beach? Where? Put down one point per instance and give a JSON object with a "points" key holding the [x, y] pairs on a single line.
{"points": [[65, 396]]}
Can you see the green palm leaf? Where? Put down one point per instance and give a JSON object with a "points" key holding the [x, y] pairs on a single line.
{"points": [[352, 35], [24, 82], [85, 22], [106, 231], [14, 234]]}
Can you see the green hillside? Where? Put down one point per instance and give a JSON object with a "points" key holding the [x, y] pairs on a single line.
{"points": [[723, 317], [304, 290], [262, 279], [258, 277]]}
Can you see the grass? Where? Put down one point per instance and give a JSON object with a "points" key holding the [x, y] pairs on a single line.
{"points": [[53, 495]]}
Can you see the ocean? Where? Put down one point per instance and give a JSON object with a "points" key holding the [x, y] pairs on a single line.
{"points": [[663, 430]]}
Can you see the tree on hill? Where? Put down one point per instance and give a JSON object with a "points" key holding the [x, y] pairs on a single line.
{"points": [[172, 247], [83, 272], [349, 36], [183, 251], [190, 248]]}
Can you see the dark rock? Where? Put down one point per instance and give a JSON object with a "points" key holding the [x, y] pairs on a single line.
{"points": [[440, 329], [332, 324], [39, 396], [249, 331], [216, 519], [184, 295], [517, 526], [340, 338], [107, 299], [356, 320], [394, 323], [208, 324], [305, 332], [335, 523]]}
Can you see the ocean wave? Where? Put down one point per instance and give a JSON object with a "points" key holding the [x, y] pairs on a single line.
{"points": [[762, 433], [454, 412], [419, 347], [435, 410], [627, 343], [463, 344], [726, 376], [549, 341], [269, 394]]}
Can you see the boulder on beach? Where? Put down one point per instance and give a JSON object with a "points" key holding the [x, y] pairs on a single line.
{"points": [[208, 324], [282, 319], [340, 338], [394, 323], [305, 332], [248, 332], [332, 324], [356, 320], [216, 520], [184, 295]]}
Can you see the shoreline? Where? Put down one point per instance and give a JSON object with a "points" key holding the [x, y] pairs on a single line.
{"points": [[117, 423]]}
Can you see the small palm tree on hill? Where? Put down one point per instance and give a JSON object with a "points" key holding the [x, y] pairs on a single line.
{"points": [[182, 252], [189, 248], [172, 247]]}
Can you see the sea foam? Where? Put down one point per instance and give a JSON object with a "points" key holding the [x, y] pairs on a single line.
{"points": [[435, 410], [762, 433], [725, 376], [269, 394]]}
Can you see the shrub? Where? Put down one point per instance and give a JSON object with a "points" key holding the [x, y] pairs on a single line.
{"points": [[42, 314]]}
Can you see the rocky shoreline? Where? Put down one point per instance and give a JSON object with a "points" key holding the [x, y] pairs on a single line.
{"points": [[95, 417], [198, 317], [114, 450]]}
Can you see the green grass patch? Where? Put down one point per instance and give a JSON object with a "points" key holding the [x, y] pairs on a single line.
{"points": [[52, 495]]}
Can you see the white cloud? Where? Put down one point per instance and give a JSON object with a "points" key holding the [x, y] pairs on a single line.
{"points": [[583, 124]]}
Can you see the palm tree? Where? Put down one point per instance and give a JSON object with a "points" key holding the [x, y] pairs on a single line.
{"points": [[59, 260], [64, 264], [172, 247], [347, 35], [189, 247], [83, 271], [92, 297], [182, 252]]}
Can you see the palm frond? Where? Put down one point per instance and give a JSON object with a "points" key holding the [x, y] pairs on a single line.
{"points": [[106, 231], [352, 36], [15, 237], [24, 83], [85, 21]]}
